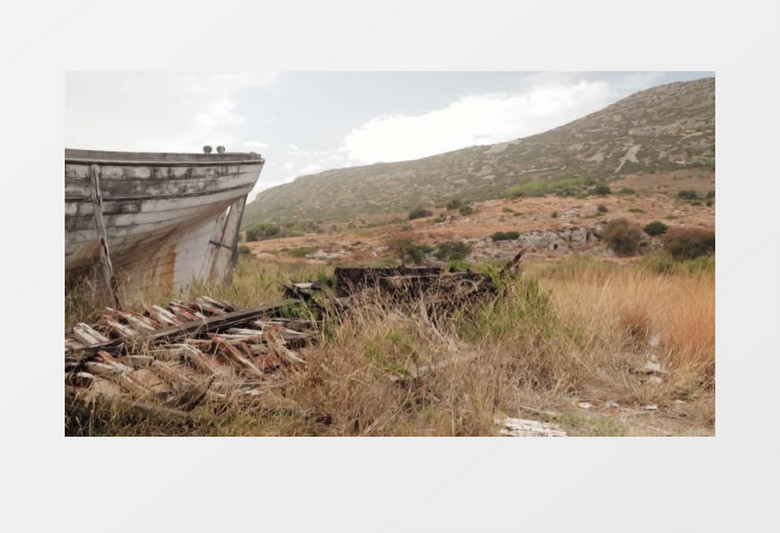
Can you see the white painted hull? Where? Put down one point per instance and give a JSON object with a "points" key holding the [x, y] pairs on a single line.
{"points": [[170, 219]]}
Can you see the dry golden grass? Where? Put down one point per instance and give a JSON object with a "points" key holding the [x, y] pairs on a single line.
{"points": [[560, 333], [253, 283]]}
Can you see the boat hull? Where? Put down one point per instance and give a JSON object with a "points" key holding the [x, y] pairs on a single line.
{"points": [[170, 219]]}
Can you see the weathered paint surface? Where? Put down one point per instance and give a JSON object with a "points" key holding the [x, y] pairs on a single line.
{"points": [[170, 219]]}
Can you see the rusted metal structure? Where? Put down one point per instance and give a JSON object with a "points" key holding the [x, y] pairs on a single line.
{"points": [[159, 219]]}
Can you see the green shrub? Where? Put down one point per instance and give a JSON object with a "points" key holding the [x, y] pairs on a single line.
{"points": [[655, 228], [626, 190], [566, 187], [405, 249], [505, 235], [554, 214], [687, 195], [419, 212], [690, 243], [711, 194], [460, 265], [708, 203], [622, 236], [262, 231], [301, 252], [602, 208], [636, 210], [454, 204], [244, 251], [601, 190], [452, 251], [465, 210]]}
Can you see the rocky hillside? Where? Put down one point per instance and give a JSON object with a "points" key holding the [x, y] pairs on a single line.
{"points": [[661, 129]]}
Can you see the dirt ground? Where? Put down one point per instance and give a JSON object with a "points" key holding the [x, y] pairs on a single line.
{"points": [[654, 200]]}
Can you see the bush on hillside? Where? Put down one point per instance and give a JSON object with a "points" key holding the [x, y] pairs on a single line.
{"points": [[690, 243], [602, 208], [454, 204], [688, 195], [465, 210], [622, 236], [452, 251], [505, 235], [656, 228], [301, 252], [405, 249], [602, 190], [262, 231], [419, 212]]}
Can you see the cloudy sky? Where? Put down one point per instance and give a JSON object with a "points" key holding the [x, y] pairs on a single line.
{"points": [[306, 122]]}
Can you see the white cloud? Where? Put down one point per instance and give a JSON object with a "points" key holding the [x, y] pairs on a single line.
{"points": [[288, 165], [308, 169], [473, 120], [156, 111], [256, 144]]}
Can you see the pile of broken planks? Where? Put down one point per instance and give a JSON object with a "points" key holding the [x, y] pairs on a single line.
{"points": [[169, 360]]}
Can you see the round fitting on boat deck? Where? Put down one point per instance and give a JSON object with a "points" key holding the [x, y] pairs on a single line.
{"points": [[207, 149], [220, 149]]}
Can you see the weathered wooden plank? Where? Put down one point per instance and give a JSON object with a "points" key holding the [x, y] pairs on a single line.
{"points": [[224, 252], [232, 354], [87, 335], [77, 156], [155, 188], [144, 204], [105, 256], [211, 325], [140, 227]]}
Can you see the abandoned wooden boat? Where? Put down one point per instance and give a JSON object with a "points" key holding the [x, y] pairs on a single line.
{"points": [[159, 219]]}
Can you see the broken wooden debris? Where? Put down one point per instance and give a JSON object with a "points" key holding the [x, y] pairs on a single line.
{"points": [[173, 358], [172, 363]]}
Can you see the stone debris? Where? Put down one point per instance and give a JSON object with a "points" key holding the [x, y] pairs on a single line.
{"points": [[584, 405]]}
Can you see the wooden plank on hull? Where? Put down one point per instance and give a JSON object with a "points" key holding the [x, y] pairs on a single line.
{"points": [[105, 256], [196, 216], [75, 156], [151, 188], [142, 204], [225, 254]]}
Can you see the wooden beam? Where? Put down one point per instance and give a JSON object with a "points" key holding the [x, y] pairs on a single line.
{"points": [[224, 241], [105, 256]]}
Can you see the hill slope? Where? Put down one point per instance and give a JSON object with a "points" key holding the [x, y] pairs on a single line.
{"points": [[656, 130]]}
